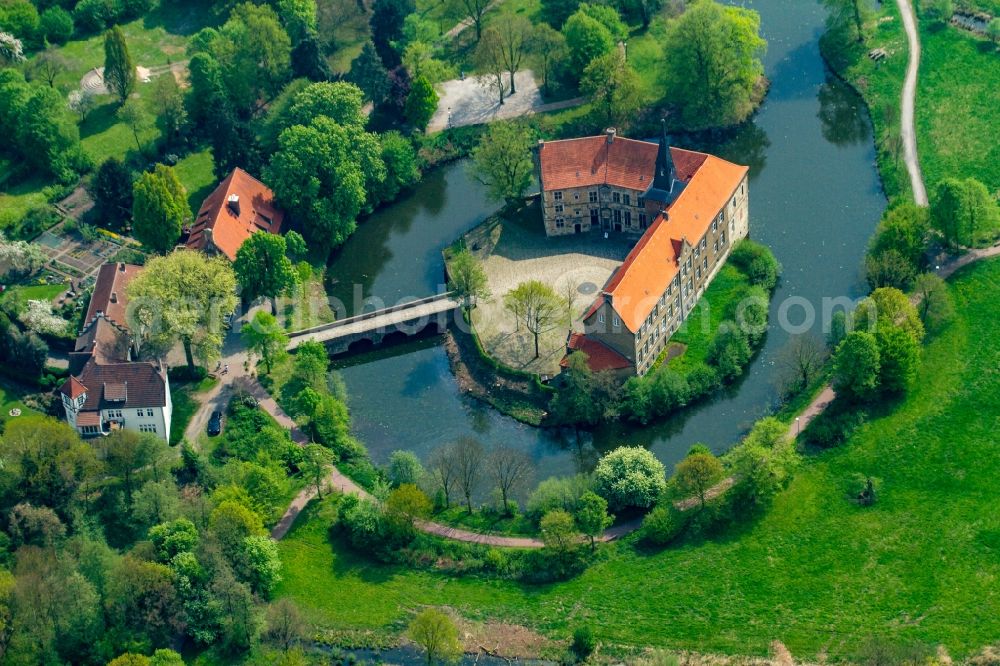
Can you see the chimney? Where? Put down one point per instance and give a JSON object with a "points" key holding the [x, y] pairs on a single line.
{"points": [[114, 297], [610, 132], [121, 267], [234, 203]]}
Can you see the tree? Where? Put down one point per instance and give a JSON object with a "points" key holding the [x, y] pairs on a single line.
{"points": [[295, 245], [404, 467], [56, 24], [421, 103], [558, 531], [262, 267], [386, 23], [320, 173], [592, 516], [474, 10], [260, 56], [586, 39], [183, 296], [308, 60], [488, 61], [419, 61], [82, 102], [126, 452], [265, 337], [168, 101], [467, 278], [368, 73], [510, 470], [468, 456], [549, 46], [502, 161], [934, 303], [260, 565], [613, 87], [889, 268], [436, 635], [904, 229], [401, 169], [21, 257], [514, 32], [758, 262], [119, 70], [888, 307], [713, 66], [340, 102], [802, 358], [239, 618], [317, 461], [112, 193], [133, 114], [443, 466], [11, 49], [536, 305], [584, 397], [285, 624], [47, 66], [406, 504], [697, 473], [899, 357], [44, 131], [964, 212], [849, 16], [629, 476], [856, 366], [159, 208]]}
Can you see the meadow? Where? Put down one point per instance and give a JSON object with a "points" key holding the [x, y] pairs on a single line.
{"points": [[817, 571]]}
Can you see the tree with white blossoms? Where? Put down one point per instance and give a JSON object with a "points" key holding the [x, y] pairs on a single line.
{"points": [[39, 318], [20, 256], [82, 102], [11, 49]]}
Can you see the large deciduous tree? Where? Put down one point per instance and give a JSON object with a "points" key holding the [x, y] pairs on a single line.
{"points": [[696, 474], [119, 70], [548, 46], [592, 517], [112, 192], [387, 27], [436, 635], [421, 103], [368, 73], [502, 161], [629, 476], [468, 456], [537, 306], [712, 66], [613, 87], [467, 278], [159, 208], [586, 38], [510, 470], [964, 212], [183, 296], [856, 366], [262, 267], [320, 173], [514, 32], [265, 337]]}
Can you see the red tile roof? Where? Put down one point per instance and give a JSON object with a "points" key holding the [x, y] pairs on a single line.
{"points": [[73, 388], [592, 160], [226, 228], [109, 293], [88, 419], [647, 270], [599, 356]]}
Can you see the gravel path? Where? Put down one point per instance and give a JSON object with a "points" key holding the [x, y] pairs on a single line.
{"points": [[907, 129]]}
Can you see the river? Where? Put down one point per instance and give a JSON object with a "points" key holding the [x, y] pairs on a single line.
{"points": [[815, 199]]}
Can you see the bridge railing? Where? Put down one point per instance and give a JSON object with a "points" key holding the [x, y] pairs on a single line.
{"points": [[373, 314]]}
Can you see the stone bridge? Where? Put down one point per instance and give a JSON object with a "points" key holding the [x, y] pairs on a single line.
{"points": [[368, 329]]}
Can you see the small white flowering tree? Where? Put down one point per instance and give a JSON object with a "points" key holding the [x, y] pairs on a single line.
{"points": [[39, 318], [11, 49]]}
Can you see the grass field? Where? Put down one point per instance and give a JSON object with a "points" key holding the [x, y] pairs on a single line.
{"points": [[698, 330], [957, 114], [817, 572], [185, 405], [195, 174], [10, 398]]}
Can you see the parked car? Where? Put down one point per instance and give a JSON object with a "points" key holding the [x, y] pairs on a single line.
{"points": [[215, 424]]}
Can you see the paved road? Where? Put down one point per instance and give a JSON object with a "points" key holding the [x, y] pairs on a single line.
{"points": [[907, 130]]}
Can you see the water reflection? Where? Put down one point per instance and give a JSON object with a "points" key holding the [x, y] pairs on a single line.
{"points": [[842, 114]]}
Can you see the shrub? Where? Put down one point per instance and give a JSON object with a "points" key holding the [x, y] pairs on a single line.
{"points": [[662, 525], [702, 380], [557, 492], [730, 350], [757, 262], [629, 476], [404, 467], [583, 642], [832, 427]]}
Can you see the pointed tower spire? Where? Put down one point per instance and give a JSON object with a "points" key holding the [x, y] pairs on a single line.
{"points": [[664, 162]]}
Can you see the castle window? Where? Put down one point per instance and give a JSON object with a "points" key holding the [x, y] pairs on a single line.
{"points": [[616, 197], [560, 223], [559, 208], [600, 318], [704, 243], [618, 217], [557, 196], [576, 196], [628, 199], [628, 218], [89, 430], [593, 216], [722, 237], [138, 412], [642, 220], [715, 246], [615, 321], [592, 196], [147, 427], [698, 274], [715, 225], [149, 412], [640, 202]]}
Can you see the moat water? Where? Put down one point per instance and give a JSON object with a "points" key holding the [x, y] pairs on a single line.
{"points": [[815, 199]]}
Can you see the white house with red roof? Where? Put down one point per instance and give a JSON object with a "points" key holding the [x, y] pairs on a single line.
{"points": [[687, 209], [108, 390]]}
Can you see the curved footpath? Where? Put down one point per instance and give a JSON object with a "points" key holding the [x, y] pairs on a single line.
{"points": [[908, 103]]}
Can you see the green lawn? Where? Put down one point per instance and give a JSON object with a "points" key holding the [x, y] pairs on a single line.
{"points": [[957, 114], [36, 292], [183, 395], [195, 174], [698, 330], [486, 522], [10, 398], [817, 572], [16, 200]]}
